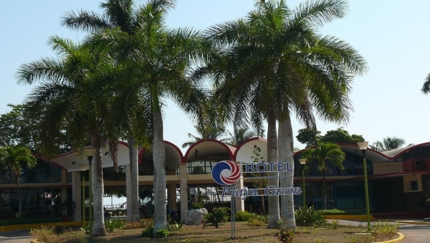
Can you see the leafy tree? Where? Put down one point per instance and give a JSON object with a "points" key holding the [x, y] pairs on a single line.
{"points": [[311, 137], [388, 143], [322, 153], [273, 61], [204, 133], [12, 162]]}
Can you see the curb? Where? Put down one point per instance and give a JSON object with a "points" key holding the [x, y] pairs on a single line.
{"points": [[400, 238]]}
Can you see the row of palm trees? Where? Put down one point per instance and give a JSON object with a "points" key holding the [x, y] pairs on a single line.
{"points": [[267, 66]]}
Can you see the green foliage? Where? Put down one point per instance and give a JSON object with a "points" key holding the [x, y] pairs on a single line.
{"points": [[148, 232], [217, 217], [112, 224], [198, 205], [162, 233], [257, 220], [175, 226], [309, 217], [334, 224], [285, 234], [55, 234], [331, 211], [86, 228], [242, 216], [384, 228], [147, 223]]}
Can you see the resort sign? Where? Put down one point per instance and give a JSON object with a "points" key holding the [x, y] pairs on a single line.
{"points": [[226, 173]]}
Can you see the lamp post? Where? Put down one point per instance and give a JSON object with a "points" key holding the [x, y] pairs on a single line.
{"points": [[303, 163], [363, 147], [89, 152], [83, 168]]}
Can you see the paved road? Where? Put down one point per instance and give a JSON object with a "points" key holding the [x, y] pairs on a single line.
{"points": [[19, 236], [415, 233]]}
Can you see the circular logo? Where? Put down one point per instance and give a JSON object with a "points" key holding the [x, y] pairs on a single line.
{"points": [[226, 173]]}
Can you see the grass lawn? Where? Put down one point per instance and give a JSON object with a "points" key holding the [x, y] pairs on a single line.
{"points": [[244, 233]]}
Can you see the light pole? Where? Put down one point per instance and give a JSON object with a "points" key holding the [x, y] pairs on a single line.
{"points": [[83, 168], [363, 147], [303, 163], [89, 152]]}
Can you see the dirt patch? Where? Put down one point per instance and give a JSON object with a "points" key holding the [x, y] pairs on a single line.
{"points": [[245, 233]]}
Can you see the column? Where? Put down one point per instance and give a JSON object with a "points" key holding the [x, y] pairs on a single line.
{"points": [[128, 191], [76, 195], [183, 186], [239, 203]]}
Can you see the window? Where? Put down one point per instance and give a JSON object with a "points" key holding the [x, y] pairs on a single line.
{"points": [[414, 185]]}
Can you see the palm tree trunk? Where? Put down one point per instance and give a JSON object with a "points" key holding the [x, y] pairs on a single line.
{"points": [[286, 154], [324, 190], [97, 187], [272, 146], [134, 174], [159, 154]]}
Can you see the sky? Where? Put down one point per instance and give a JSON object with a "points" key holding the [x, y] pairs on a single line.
{"points": [[391, 35]]}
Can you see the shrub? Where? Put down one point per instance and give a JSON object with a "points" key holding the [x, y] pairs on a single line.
{"points": [[384, 228], [86, 229], [147, 223], [148, 232], [242, 216], [162, 233], [47, 234], [285, 234], [175, 227], [58, 229], [257, 220], [334, 224], [309, 217], [217, 217], [331, 211], [114, 224]]}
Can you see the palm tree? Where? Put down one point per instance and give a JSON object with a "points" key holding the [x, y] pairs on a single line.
{"points": [[72, 101], [273, 62], [205, 133], [240, 135], [322, 153], [426, 86], [160, 60], [123, 15], [14, 159], [388, 143]]}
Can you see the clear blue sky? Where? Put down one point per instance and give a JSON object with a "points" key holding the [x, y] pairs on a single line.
{"points": [[392, 36]]}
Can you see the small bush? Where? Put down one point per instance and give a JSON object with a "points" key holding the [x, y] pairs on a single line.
{"points": [[175, 227], [331, 211], [114, 224], [162, 233], [147, 223], [242, 216], [47, 234], [86, 228], [334, 224], [217, 217], [285, 234], [58, 229], [309, 217], [257, 220], [133, 225], [384, 228], [148, 232]]}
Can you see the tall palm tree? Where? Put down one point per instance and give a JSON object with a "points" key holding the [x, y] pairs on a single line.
{"points": [[159, 59], [322, 153], [121, 14], [14, 159], [240, 135], [426, 86], [203, 134], [274, 62], [388, 143], [72, 101]]}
